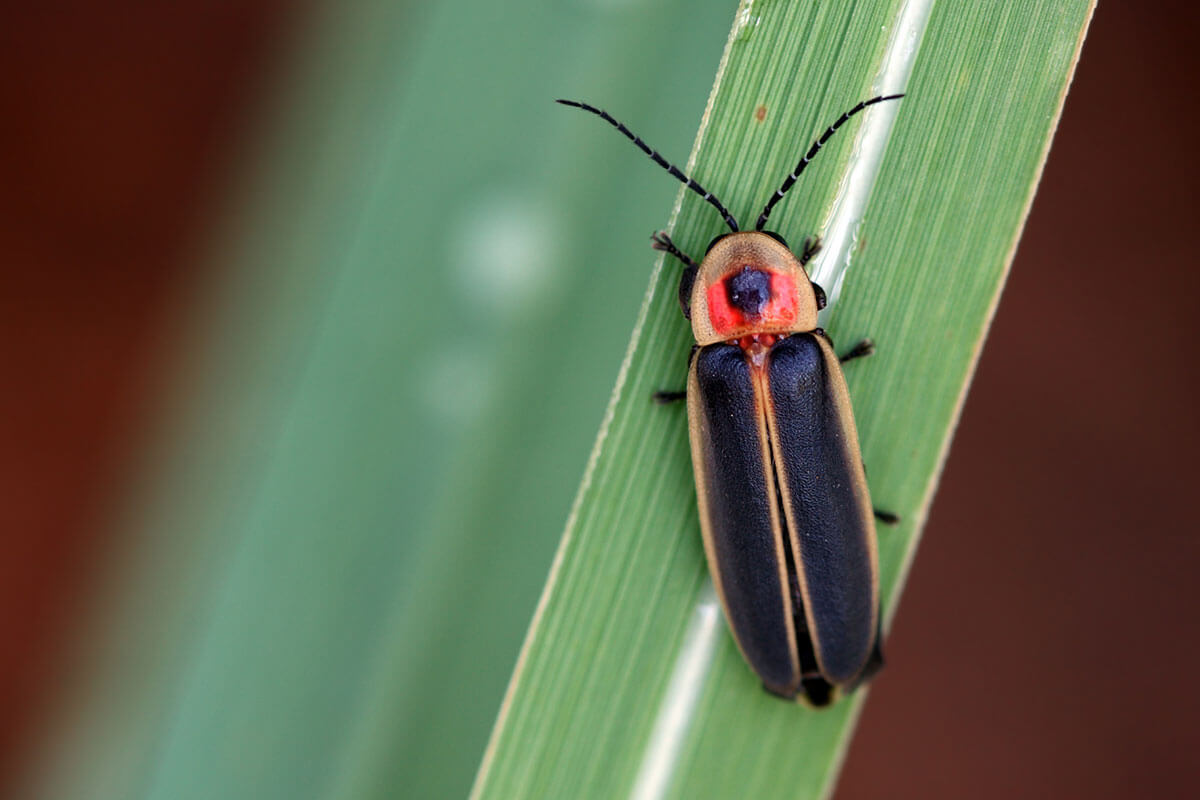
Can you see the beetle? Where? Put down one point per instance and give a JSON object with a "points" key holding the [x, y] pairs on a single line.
{"points": [[785, 513]]}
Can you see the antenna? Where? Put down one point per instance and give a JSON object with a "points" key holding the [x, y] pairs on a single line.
{"points": [[812, 152], [668, 166]]}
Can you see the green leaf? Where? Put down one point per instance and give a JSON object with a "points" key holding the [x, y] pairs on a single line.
{"points": [[926, 264]]}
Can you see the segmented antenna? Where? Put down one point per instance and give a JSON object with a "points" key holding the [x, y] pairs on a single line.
{"points": [[812, 151], [662, 162]]}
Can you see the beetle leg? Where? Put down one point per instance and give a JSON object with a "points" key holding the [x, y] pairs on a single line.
{"points": [[812, 246], [865, 347], [666, 398], [661, 241], [886, 517]]}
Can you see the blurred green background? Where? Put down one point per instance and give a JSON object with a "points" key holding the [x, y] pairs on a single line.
{"points": [[383, 397], [315, 310]]}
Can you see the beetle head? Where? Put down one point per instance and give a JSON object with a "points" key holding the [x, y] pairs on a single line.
{"points": [[750, 283]]}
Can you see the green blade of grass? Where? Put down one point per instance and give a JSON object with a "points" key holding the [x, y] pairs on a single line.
{"points": [[926, 268]]}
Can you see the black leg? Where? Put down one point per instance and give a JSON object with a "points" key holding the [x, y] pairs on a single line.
{"points": [[886, 517], [661, 241], [666, 398], [864, 348], [811, 248]]}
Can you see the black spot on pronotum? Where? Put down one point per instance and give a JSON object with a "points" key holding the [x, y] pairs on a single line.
{"points": [[749, 290]]}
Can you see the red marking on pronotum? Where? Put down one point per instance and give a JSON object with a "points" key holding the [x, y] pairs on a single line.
{"points": [[780, 311]]}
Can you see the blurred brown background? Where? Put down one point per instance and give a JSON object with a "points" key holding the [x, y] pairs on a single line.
{"points": [[1057, 568], [118, 123]]}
